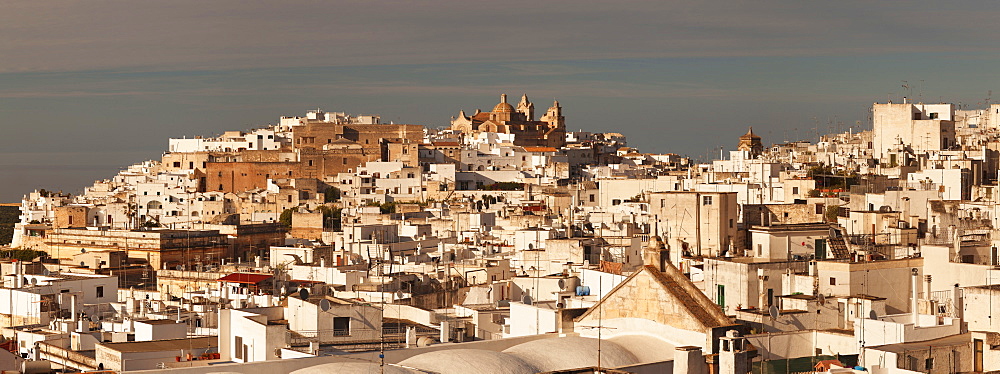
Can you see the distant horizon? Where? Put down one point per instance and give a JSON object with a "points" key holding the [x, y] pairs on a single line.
{"points": [[102, 85]]}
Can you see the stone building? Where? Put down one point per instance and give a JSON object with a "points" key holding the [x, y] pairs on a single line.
{"points": [[548, 131], [159, 248], [750, 142]]}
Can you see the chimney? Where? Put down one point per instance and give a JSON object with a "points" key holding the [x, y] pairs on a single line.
{"points": [[914, 284], [957, 302], [689, 360], [72, 308], [733, 356]]}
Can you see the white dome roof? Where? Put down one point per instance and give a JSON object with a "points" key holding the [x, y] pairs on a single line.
{"points": [[571, 352], [352, 368], [469, 361]]}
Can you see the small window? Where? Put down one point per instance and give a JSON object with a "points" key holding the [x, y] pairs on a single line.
{"points": [[100, 291], [730, 223], [616, 201], [706, 200], [592, 198], [833, 281], [795, 190], [239, 347]]}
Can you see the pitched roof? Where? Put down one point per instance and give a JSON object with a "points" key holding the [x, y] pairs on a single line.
{"points": [[669, 298]]}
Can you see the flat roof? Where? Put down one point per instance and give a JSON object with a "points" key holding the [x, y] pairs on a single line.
{"points": [[163, 345], [947, 341]]}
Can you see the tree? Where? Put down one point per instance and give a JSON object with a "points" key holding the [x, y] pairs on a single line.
{"points": [[831, 213], [331, 217], [332, 194], [286, 217]]}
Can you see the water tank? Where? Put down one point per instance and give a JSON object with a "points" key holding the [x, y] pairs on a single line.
{"points": [[582, 290]]}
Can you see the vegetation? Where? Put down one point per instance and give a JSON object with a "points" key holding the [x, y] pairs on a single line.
{"points": [[502, 186], [331, 217], [331, 194], [286, 217], [8, 217], [22, 254], [384, 208], [827, 178], [831, 213]]}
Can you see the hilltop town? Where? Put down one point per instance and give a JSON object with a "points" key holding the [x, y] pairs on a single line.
{"points": [[505, 243]]}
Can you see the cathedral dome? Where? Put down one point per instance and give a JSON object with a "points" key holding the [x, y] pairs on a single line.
{"points": [[503, 107], [750, 134]]}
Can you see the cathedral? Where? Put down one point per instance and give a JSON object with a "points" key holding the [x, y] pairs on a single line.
{"points": [[548, 131], [751, 143]]}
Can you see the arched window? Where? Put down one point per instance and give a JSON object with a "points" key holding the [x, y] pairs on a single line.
{"points": [[154, 205]]}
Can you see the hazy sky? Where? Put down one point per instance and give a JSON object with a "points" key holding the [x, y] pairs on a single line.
{"points": [[87, 87]]}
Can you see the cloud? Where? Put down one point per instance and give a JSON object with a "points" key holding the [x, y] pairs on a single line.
{"points": [[69, 35]]}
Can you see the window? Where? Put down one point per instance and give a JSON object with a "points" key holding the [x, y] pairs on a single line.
{"points": [[616, 201], [177, 164], [592, 198], [833, 281], [100, 291], [239, 347], [730, 223], [663, 203], [929, 362], [760, 250], [706, 200], [341, 326], [795, 190]]}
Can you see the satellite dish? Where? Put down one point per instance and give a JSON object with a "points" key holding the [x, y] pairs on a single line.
{"points": [[526, 300], [95, 318], [34, 281], [324, 305], [773, 311], [399, 294], [83, 264], [562, 284], [304, 294], [83, 250], [872, 315], [180, 267], [46, 272], [821, 299]]}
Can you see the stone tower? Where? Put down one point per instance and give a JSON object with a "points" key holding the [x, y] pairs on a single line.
{"points": [[554, 116], [750, 142], [526, 108]]}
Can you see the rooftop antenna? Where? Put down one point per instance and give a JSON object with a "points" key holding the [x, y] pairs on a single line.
{"points": [[906, 86]]}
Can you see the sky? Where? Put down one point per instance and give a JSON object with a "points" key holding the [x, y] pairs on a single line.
{"points": [[89, 87]]}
